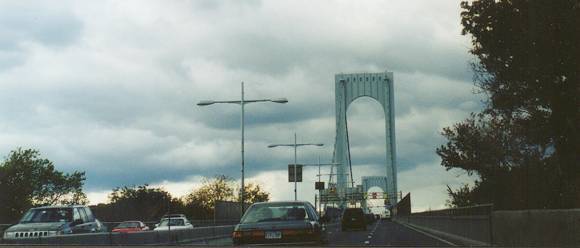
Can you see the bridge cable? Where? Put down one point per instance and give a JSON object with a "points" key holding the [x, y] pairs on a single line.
{"points": [[347, 138]]}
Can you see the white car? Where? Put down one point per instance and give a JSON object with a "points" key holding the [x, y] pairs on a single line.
{"points": [[174, 223]]}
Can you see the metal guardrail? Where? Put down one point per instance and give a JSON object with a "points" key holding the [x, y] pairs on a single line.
{"points": [[138, 238], [197, 223]]}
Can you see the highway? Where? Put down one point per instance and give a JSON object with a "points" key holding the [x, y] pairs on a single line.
{"points": [[383, 233], [380, 233]]}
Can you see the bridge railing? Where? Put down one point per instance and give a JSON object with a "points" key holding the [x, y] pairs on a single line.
{"points": [[469, 225], [137, 238]]}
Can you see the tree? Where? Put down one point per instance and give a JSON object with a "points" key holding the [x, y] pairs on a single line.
{"points": [[459, 198], [524, 145], [27, 180], [219, 188], [201, 202], [254, 193], [141, 202]]}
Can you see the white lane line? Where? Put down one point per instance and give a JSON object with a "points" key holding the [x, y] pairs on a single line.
{"points": [[370, 236], [429, 235]]}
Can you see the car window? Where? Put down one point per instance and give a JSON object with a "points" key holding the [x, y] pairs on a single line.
{"points": [[76, 215], [128, 225], [83, 215], [89, 214], [173, 222], [276, 212], [48, 215]]}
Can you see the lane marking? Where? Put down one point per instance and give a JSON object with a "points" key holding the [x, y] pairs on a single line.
{"points": [[428, 234]]}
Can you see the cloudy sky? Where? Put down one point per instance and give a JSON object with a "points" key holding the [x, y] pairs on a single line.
{"points": [[109, 87]]}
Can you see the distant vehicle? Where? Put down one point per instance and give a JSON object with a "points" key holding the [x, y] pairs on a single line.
{"points": [[332, 213], [292, 222], [130, 226], [174, 216], [353, 218], [54, 220], [370, 218], [173, 223], [386, 215]]}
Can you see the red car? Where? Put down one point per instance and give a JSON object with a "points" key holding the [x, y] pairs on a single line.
{"points": [[131, 226]]}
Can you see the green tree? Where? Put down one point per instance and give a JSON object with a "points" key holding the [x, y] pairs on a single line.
{"points": [[218, 188], [142, 202], [27, 180], [254, 193], [524, 145]]}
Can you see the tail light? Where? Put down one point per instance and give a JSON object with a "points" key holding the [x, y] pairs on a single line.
{"points": [[237, 235]]}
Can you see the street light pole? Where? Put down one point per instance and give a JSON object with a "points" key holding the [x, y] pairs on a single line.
{"points": [[242, 103], [295, 145]]}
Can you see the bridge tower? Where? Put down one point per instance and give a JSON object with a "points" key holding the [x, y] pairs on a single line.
{"points": [[349, 87]]}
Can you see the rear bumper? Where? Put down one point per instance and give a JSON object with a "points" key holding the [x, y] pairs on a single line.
{"points": [[295, 240], [355, 225]]}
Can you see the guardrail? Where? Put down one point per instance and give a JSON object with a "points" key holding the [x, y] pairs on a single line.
{"points": [[469, 225], [137, 238], [197, 223]]}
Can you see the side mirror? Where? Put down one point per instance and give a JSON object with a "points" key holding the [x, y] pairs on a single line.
{"points": [[157, 225]]}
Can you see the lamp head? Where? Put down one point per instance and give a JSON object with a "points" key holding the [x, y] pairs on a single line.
{"points": [[205, 103], [279, 100]]}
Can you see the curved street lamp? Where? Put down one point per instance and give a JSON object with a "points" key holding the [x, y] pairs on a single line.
{"points": [[242, 102]]}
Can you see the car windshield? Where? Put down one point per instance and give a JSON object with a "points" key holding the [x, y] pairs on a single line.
{"points": [[128, 225], [172, 222], [47, 215], [275, 212]]}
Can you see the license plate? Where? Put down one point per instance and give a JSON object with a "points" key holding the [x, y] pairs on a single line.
{"points": [[273, 235]]}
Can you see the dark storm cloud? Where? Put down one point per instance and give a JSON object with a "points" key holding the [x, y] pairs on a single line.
{"points": [[110, 87], [22, 25]]}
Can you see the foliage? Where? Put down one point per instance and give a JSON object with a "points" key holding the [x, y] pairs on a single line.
{"points": [[254, 193], [27, 180], [138, 203], [222, 188], [459, 198], [219, 188], [524, 145]]}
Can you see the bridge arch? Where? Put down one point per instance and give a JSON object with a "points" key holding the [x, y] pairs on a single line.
{"points": [[348, 88]]}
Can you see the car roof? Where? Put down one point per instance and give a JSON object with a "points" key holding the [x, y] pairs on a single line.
{"points": [[174, 217], [281, 202], [61, 206]]}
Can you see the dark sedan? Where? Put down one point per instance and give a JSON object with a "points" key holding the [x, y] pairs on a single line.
{"points": [[353, 218], [280, 223]]}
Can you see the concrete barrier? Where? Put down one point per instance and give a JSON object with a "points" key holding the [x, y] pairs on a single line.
{"points": [[468, 230], [537, 227], [138, 238]]}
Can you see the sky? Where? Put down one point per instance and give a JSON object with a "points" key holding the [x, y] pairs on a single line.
{"points": [[110, 88]]}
